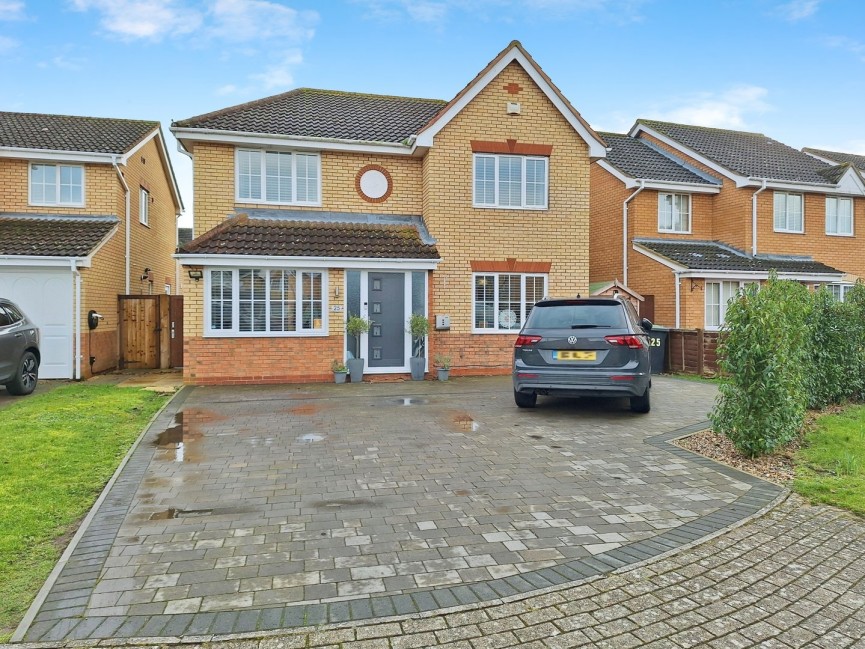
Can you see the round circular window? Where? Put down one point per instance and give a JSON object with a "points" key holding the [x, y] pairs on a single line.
{"points": [[374, 183]]}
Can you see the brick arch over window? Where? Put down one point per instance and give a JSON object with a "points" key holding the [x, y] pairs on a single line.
{"points": [[510, 265]]}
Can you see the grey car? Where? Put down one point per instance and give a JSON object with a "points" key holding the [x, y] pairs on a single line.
{"points": [[583, 347], [19, 350]]}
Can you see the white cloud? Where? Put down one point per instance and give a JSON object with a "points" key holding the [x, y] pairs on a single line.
{"points": [[7, 44], [11, 10], [227, 89], [143, 19], [279, 75], [851, 45], [727, 109], [798, 9], [436, 12], [62, 62], [256, 20]]}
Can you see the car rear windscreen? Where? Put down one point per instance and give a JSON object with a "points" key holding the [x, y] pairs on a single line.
{"points": [[577, 316]]}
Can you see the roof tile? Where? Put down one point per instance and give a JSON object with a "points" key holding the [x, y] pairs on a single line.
{"points": [[307, 112], [52, 235], [639, 160], [71, 133], [749, 154]]}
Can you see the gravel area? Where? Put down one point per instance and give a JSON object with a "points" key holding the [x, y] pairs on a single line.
{"points": [[777, 467]]}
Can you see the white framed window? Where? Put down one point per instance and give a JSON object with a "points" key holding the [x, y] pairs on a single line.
{"points": [[674, 213], [265, 302], [718, 296], [56, 184], [510, 181], [280, 177], [839, 216], [144, 206], [501, 302], [840, 291], [789, 215]]}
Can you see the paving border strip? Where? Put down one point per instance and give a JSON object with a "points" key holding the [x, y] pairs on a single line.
{"points": [[71, 628]]}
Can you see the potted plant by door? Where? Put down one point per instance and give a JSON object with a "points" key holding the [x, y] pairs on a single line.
{"points": [[339, 371], [443, 366], [418, 328], [356, 326]]}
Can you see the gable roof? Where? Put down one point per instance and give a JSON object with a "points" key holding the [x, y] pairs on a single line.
{"points": [[718, 256], [752, 155], [640, 160], [839, 157], [275, 233], [72, 133], [514, 52], [53, 235], [327, 114]]}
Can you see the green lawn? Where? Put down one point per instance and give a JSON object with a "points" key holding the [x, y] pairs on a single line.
{"points": [[830, 467], [57, 451]]}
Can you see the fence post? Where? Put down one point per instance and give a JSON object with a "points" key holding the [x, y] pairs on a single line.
{"points": [[701, 351]]}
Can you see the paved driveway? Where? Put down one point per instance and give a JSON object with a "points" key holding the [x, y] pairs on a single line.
{"points": [[260, 508]]}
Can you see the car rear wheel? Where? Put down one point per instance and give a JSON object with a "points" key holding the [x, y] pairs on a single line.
{"points": [[641, 404], [26, 377], [525, 399]]}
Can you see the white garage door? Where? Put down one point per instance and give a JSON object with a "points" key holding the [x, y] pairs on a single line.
{"points": [[46, 297]]}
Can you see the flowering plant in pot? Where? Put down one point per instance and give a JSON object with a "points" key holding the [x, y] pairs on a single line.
{"points": [[339, 371], [443, 366], [418, 328], [356, 326]]}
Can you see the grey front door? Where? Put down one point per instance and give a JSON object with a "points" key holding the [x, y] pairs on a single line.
{"points": [[386, 338]]}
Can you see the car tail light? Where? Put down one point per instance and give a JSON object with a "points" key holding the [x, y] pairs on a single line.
{"points": [[632, 342], [524, 341]]}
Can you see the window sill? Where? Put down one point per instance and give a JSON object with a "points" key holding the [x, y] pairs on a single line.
{"points": [[248, 201], [674, 231], [318, 333], [511, 208], [506, 332], [840, 234], [788, 231], [78, 205]]}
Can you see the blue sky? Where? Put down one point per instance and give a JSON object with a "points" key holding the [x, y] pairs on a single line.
{"points": [[792, 69]]}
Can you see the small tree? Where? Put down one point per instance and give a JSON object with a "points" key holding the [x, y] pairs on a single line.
{"points": [[761, 401], [418, 328], [357, 326], [832, 374]]}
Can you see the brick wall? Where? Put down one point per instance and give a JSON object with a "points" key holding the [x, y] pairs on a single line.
{"points": [[558, 235]]}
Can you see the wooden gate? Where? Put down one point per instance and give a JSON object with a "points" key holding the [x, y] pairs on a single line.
{"points": [[142, 320]]}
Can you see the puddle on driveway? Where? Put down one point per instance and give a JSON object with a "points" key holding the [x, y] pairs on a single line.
{"points": [[182, 441], [310, 437], [404, 401], [174, 512], [465, 423], [462, 492]]}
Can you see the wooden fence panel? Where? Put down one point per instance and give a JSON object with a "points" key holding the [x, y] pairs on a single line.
{"points": [[692, 351], [140, 320]]}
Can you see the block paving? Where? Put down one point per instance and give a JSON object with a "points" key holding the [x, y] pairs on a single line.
{"points": [[254, 510]]}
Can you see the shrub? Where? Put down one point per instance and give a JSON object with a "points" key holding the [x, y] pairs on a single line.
{"points": [[761, 402], [832, 369], [855, 303]]}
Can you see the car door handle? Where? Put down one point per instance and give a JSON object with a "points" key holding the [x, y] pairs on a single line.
{"points": [[19, 335]]}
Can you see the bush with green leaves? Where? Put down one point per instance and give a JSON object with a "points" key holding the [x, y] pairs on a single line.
{"points": [[855, 303], [761, 402], [833, 351]]}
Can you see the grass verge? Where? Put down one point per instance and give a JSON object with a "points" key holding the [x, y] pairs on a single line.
{"points": [[57, 451], [830, 466]]}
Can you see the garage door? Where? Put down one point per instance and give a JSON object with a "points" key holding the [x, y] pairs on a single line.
{"points": [[46, 296]]}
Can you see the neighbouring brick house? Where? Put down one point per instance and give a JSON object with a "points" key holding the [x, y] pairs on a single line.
{"points": [[685, 215], [86, 205], [312, 205]]}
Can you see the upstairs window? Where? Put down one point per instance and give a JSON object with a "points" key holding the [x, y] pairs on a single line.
{"points": [[839, 216], [54, 184], [788, 213], [144, 206], [674, 213], [280, 177], [510, 181]]}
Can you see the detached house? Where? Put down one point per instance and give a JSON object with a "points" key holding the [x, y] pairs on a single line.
{"points": [[88, 210], [685, 215], [313, 205]]}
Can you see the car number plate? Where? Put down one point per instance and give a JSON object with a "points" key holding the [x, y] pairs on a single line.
{"points": [[572, 355]]}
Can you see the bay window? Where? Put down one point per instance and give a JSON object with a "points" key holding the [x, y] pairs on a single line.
{"points": [[265, 301]]}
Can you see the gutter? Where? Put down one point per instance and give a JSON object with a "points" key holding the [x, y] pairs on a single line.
{"points": [[677, 275], [77, 328], [754, 217], [128, 217], [625, 230]]}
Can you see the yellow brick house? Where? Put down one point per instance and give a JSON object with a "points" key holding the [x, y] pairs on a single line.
{"points": [[88, 210], [313, 205]]}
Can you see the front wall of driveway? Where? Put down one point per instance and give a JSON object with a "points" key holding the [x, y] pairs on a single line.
{"points": [[250, 508]]}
